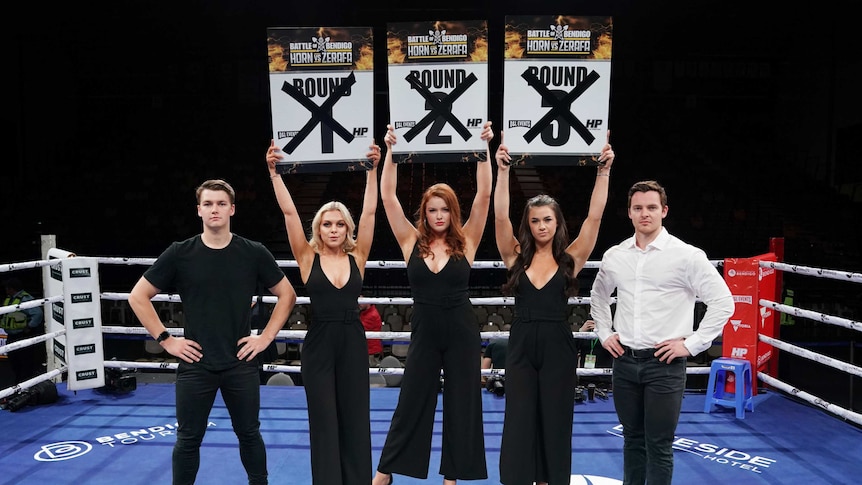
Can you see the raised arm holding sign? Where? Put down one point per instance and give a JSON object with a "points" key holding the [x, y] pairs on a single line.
{"points": [[439, 252]]}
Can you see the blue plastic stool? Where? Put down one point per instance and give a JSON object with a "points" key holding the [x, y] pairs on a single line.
{"points": [[715, 393]]}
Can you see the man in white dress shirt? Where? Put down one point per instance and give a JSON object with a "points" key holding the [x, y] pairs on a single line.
{"points": [[657, 279]]}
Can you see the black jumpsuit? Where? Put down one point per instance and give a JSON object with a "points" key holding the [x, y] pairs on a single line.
{"points": [[444, 335], [335, 376], [540, 387]]}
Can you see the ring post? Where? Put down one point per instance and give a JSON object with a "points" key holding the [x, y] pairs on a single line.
{"points": [[52, 285], [740, 340], [81, 348]]}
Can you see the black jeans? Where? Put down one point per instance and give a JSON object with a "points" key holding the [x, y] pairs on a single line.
{"points": [[196, 392], [648, 398]]}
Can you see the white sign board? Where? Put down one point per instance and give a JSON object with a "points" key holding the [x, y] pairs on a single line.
{"points": [[321, 84], [556, 91], [438, 90]]}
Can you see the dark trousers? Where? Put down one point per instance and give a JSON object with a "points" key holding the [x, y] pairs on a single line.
{"points": [[195, 394], [540, 399], [335, 376], [648, 398], [449, 341]]}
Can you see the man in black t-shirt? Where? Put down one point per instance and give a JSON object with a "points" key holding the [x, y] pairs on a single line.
{"points": [[494, 356], [216, 274]]}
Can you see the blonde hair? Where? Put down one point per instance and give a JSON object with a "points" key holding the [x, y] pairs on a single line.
{"points": [[316, 241]]}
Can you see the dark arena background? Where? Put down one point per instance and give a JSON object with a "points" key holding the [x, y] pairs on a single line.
{"points": [[748, 113]]}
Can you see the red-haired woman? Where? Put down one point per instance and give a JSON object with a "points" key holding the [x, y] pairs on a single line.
{"points": [[439, 252]]}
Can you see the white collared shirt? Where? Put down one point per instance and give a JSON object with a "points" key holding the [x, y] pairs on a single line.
{"points": [[657, 289]]}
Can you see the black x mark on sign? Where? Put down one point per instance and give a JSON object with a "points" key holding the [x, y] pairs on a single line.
{"points": [[560, 107], [441, 107], [320, 114]]}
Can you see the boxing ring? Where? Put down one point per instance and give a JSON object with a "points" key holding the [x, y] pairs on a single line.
{"points": [[95, 435]]}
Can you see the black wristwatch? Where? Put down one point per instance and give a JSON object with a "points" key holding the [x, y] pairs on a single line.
{"points": [[163, 336]]}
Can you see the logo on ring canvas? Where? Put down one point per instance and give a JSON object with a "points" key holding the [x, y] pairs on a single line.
{"points": [[593, 480], [62, 450]]}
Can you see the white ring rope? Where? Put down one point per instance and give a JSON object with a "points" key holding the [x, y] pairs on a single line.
{"points": [[160, 297], [27, 265], [295, 369], [804, 353], [823, 359], [304, 300], [29, 304], [821, 317], [31, 382], [284, 263], [837, 410], [819, 272], [300, 334], [29, 341], [290, 263]]}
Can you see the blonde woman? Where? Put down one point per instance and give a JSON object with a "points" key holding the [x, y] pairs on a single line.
{"points": [[334, 355]]}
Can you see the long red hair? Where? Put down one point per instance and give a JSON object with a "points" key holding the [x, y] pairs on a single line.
{"points": [[455, 238]]}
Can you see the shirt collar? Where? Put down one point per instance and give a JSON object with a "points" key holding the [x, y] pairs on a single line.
{"points": [[660, 242]]}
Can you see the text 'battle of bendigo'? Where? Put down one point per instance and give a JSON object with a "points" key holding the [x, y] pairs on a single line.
{"points": [[321, 83], [556, 91]]}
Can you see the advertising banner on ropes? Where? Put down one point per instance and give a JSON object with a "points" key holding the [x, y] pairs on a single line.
{"points": [[556, 88], [747, 282], [321, 84], [55, 321], [80, 314], [438, 90]]}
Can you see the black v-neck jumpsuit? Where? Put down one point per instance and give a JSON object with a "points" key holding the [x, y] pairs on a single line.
{"points": [[540, 387], [335, 376], [444, 335]]}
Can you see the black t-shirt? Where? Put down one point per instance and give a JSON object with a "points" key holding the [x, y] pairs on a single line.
{"points": [[496, 351], [216, 287]]}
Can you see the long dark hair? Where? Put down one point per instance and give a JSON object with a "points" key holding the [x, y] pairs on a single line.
{"points": [[528, 247]]}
